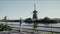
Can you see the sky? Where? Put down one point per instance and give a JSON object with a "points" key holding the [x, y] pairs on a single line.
{"points": [[16, 9]]}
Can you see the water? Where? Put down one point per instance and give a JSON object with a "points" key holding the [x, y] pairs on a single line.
{"points": [[53, 25], [16, 24]]}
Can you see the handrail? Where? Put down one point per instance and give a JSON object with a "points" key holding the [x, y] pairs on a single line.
{"points": [[43, 26], [41, 30]]}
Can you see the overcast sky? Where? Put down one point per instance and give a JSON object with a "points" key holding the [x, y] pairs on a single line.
{"points": [[14, 9]]}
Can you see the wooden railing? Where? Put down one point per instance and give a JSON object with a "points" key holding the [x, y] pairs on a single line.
{"points": [[50, 27]]}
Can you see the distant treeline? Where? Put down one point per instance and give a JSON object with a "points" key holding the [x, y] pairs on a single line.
{"points": [[44, 20], [9, 20], [30, 20]]}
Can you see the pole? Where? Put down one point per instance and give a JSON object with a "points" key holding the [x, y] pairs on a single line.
{"points": [[20, 24], [51, 29]]}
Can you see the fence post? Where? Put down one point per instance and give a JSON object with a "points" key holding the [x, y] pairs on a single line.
{"points": [[20, 24], [51, 29]]}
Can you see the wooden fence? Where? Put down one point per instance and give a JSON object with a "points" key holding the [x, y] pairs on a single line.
{"points": [[49, 29]]}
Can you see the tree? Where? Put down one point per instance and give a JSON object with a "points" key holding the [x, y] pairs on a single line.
{"points": [[44, 20], [28, 20]]}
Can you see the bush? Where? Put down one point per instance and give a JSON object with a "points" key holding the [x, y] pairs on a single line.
{"points": [[5, 27]]}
